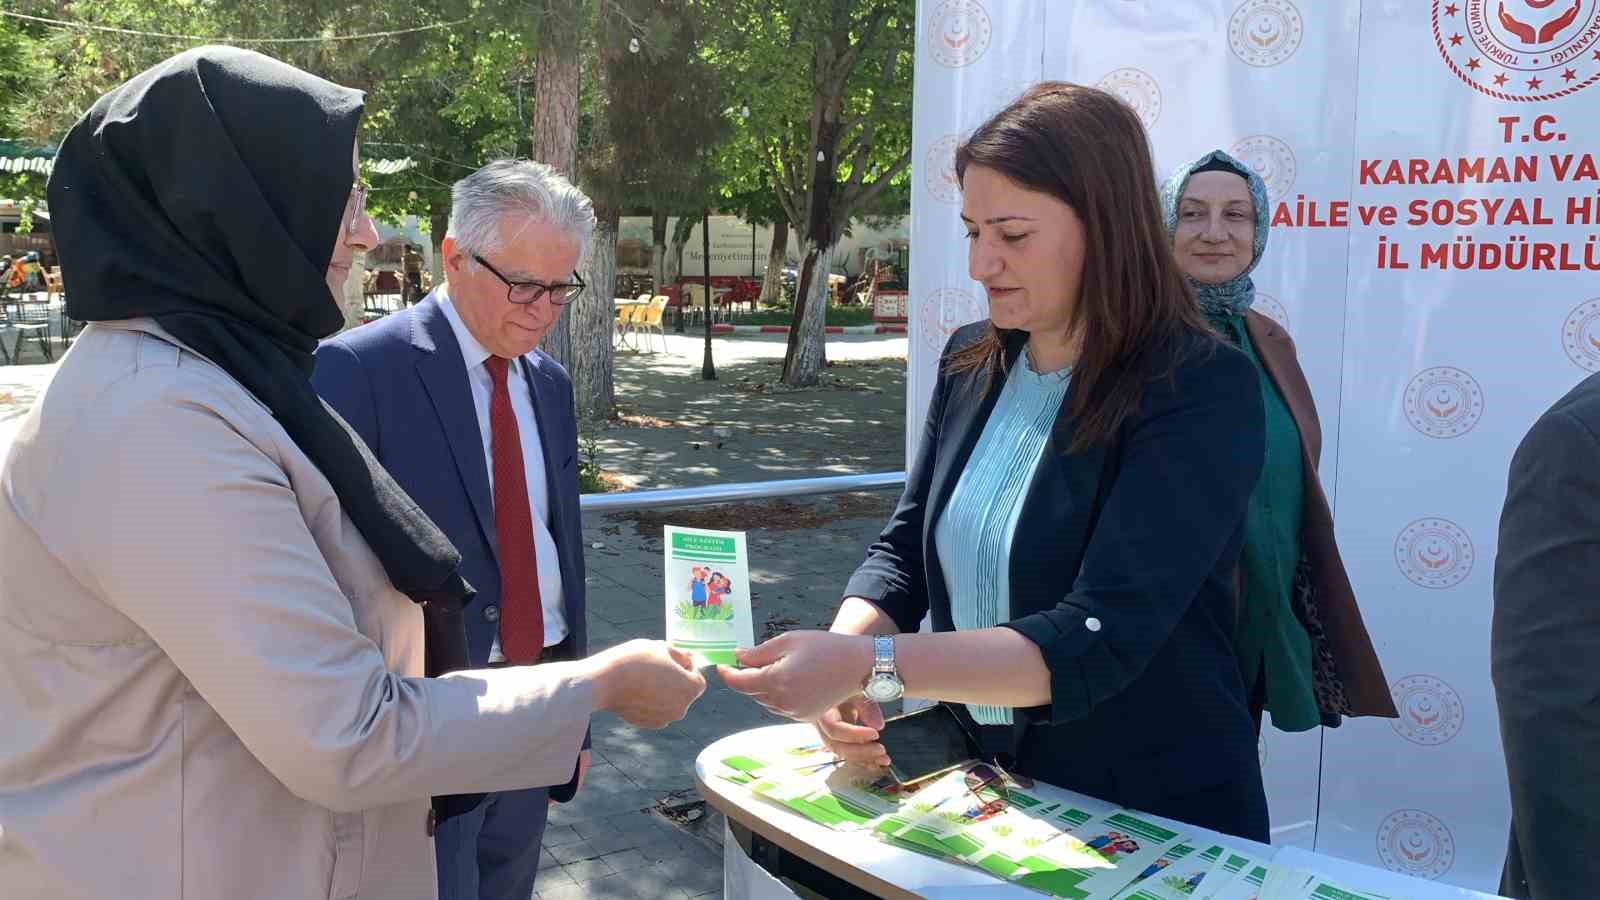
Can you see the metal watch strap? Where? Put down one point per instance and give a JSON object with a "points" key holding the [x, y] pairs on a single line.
{"points": [[883, 654]]}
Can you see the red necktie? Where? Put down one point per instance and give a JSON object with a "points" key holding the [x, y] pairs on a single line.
{"points": [[521, 612]]}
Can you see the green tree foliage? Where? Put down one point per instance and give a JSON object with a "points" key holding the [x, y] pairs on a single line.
{"points": [[828, 85], [661, 113]]}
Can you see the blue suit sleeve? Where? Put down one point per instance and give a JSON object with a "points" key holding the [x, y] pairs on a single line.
{"points": [[1188, 467], [564, 793], [581, 647], [342, 382]]}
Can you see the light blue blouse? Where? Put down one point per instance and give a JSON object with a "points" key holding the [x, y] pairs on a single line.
{"points": [[973, 536]]}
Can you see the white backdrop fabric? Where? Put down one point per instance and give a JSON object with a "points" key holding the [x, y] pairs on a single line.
{"points": [[1435, 252]]}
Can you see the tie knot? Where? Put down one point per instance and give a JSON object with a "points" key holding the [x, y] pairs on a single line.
{"points": [[497, 369]]}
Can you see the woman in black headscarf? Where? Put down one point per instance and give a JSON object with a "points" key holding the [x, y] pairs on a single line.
{"points": [[212, 612]]}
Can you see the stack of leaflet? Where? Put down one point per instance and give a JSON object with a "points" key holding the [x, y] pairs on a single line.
{"points": [[1032, 837]]}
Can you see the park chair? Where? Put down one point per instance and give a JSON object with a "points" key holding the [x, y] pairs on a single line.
{"points": [[642, 301], [27, 319], [56, 298], [628, 321], [693, 295], [19, 315], [650, 319], [384, 295]]}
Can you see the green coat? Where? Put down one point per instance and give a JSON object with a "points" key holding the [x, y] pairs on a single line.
{"points": [[1271, 642]]}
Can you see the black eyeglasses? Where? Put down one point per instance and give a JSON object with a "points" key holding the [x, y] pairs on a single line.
{"points": [[524, 292], [983, 777]]}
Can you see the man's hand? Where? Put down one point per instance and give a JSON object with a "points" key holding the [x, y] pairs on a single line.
{"points": [[583, 769], [802, 674], [647, 683]]}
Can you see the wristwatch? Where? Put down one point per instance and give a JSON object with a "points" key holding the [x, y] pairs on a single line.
{"points": [[884, 684]]}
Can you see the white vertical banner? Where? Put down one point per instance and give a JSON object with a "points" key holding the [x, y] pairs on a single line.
{"points": [[1471, 309], [973, 57], [1434, 252], [1247, 78]]}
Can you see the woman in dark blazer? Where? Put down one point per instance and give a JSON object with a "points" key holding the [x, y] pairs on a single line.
{"points": [[1074, 514]]}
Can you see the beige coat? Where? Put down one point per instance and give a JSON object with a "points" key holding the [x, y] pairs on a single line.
{"points": [[208, 687]]}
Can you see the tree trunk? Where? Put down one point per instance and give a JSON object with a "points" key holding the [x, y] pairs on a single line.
{"points": [[591, 318], [673, 264], [438, 224], [658, 250], [807, 356], [802, 364], [557, 79], [708, 367], [355, 300], [772, 284]]}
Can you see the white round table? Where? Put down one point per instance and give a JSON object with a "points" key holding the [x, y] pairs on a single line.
{"points": [[891, 872]]}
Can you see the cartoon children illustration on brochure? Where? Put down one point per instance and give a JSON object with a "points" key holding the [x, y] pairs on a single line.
{"points": [[708, 594], [1153, 868], [697, 586], [719, 588], [1113, 844], [983, 812]]}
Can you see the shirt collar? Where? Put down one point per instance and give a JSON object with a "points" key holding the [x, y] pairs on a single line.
{"points": [[472, 352]]}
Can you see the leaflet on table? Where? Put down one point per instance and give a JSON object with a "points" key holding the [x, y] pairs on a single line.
{"points": [[1011, 843], [1071, 818], [948, 806], [785, 764], [1263, 881], [707, 594], [1256, 880], [1284, 883], [813, 798], [920, 823], [1123, 844], [1245, 886], [1175, 875], [1180, 880], [950, 819], [1321, 888], [1227, 867], [871, 789]]}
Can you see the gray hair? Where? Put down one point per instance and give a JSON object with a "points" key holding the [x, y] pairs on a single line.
{"points": [[520, 187]]}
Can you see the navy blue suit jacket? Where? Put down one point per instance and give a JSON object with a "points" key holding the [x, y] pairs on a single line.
{"points": [[1121, 571], [401, 383]]}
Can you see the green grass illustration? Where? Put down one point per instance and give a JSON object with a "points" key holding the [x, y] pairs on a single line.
{"points": [[723, 613]]}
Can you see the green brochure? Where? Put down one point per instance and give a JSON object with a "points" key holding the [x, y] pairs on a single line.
{"points": [[708, 594], [1121, 845]]}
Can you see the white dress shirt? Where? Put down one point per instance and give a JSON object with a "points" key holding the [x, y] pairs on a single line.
{"points": [[533, 463]]}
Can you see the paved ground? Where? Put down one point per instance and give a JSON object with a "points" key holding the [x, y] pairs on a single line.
{"points": [[614, 840], [601, 845]]}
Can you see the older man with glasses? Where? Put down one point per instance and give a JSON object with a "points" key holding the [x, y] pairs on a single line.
{"points": [[478, 426]]}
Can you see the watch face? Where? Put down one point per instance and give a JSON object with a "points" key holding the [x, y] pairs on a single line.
{"points": [[882, 688]]}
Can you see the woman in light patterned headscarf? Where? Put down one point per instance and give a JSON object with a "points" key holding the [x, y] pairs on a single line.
{"points": [[1303, 649]]}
